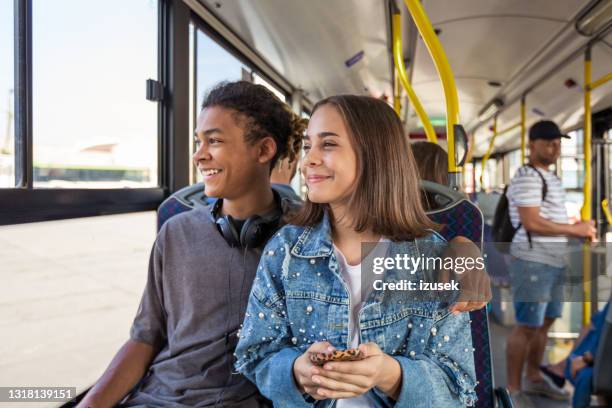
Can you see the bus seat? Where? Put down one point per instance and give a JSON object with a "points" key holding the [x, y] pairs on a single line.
{"points": [[462, 217], [193, 196], [602, 369], [183, 200]]}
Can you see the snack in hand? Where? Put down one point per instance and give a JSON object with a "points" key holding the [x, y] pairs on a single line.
{"points": [[320, 359]]}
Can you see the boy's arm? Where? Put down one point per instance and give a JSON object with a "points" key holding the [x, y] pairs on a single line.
{"points": [[147, 337], [125, 370]]}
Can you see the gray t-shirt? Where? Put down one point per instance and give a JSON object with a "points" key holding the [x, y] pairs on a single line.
{"points": [[192, 307]]}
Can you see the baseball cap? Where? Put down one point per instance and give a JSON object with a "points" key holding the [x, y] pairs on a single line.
{"points": [[545, 129]]}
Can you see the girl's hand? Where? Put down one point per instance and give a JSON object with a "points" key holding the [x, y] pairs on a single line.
{"points": [[303, 369], [348, 379]]}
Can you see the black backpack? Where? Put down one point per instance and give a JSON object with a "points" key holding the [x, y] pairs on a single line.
{"points": [[502, 230]]}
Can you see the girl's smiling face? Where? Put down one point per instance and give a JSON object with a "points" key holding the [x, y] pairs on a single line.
{"points": [[330, 163]]}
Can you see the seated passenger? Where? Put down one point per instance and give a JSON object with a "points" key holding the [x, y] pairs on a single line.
{"points": [[180, 351], [308, 295], [282, 174], [578, 366], [432, 164]]}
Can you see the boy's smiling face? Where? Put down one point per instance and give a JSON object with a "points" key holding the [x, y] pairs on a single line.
{"points": [[227, 161]]}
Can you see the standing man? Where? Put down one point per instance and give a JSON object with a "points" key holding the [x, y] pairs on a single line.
{"points": [[203, 262], [537, 206]]}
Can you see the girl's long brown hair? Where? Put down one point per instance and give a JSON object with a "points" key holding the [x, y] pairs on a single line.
{"points": [[386, 198]]}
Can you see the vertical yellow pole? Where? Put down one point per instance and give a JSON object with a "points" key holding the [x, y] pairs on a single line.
{"points": [[397, 105], [523, 130], [446, 76], [403, 78], [585, 212]]}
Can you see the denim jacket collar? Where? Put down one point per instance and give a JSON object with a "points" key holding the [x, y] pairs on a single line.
{"points": [[315, 241]]}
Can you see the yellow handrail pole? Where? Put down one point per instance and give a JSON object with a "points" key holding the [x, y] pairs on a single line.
{"points": [[601, 81], [397, 104], [585, 211], [446, 76], [483, 163], [606, 210], [403, 76], [523, 130], [509, 128]]}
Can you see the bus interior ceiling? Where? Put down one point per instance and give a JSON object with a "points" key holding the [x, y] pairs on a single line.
{"points": [[499, 50]]}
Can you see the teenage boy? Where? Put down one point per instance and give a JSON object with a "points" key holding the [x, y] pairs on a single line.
{"points": [[203, 262]]}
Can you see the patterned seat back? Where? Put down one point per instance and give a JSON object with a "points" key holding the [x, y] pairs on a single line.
{"points": [[183, 200], [193, 196], [464, 218]]}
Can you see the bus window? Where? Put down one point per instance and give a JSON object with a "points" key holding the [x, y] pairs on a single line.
{"points": [[258, 79], [572, 163], [213, 64], [514, 162], [7, 124], [92, 126], [468, 180], [572, 173]]}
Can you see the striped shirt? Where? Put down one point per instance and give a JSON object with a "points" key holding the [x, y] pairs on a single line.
{"points": [[525, 190]]}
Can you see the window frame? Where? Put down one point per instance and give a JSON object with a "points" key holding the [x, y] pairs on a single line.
{"points": [[24, 203], [207, 29]]}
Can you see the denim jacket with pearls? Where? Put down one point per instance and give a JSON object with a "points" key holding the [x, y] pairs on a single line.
{"points": [[299, 297]]}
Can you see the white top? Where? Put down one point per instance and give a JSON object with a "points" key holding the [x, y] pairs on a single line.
{"points": [[352, 276], [525, 190]]}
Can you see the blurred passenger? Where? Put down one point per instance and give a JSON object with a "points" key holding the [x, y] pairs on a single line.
{"points": [[537, 208], [432, 162], [182, 341], [307, 296], [282, 174], [578, 367]]}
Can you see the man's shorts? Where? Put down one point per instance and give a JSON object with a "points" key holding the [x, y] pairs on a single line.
{"points": [[536, 290]]}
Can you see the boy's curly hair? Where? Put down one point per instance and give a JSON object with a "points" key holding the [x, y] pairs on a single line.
{"points": [[262, 114]]}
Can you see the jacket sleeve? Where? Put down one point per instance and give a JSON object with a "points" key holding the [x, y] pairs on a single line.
{"points": [[438, 364], [439, 372], [265, 352]]}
